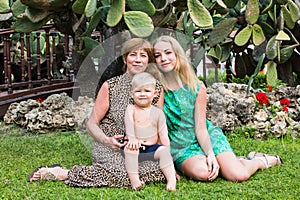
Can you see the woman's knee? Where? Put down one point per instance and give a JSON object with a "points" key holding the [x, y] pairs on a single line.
{"points": [[231, 168], [201, 175], [195, 169], [245, 175]]}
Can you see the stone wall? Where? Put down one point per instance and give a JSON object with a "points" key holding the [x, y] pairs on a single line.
{"points": [[57, 112], [228, 106]]}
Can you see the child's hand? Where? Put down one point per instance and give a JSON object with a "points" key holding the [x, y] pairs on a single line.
{"points": [[133, 144]]}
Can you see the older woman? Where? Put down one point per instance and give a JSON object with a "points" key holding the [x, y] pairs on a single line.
{"points": [[106, 126]]}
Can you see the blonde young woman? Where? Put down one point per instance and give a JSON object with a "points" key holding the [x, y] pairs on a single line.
{"points": [[106, 126], [200, 150]]}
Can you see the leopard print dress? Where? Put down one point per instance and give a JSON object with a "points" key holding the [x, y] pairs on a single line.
{"points": [[108, 168]]}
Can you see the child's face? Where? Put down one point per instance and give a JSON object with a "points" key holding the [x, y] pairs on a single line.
{"points": [[144, 95]]}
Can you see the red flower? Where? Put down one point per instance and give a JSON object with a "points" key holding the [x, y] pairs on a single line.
{"points": [[40, 100], [285, 108], [269, 87], [285, 102], [262, 98]]}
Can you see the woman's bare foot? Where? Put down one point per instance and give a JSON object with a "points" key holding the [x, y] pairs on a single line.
{"points": [[49, 173]]}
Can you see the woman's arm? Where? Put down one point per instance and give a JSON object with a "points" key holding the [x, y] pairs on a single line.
{"points": [[200, 121], [99, 110], [160, 103], [202, 133]]}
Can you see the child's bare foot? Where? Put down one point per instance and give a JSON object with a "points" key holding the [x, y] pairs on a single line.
{"points": [[171, 185], [138, 185]]}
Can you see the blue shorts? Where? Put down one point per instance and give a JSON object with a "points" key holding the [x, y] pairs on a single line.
{"points": [[146, 152]]}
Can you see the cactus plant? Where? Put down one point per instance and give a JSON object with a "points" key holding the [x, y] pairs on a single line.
{"points": [[139, 23], [115, 12], [252, 12], [271, 27], [4, 6], [271, 73], [199, 14], [220, 32]]}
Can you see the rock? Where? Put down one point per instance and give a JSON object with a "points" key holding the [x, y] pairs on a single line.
{"points": [[261, 115], [57, 112], [229, 107], [229, 104], [81, 110]]}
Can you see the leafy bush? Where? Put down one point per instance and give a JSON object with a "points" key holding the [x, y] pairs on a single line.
{"points": [[259, 82]]}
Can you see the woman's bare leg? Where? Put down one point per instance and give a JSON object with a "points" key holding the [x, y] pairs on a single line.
{"points": [[231, 167], [58, 173], [234, 169], [196, 168]]}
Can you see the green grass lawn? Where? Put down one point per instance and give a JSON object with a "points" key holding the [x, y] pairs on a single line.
{"points": [[21, 152]]}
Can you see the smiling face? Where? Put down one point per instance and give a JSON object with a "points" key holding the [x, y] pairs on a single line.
{"points": [[136, 61], [136, 54], [164, 56]]}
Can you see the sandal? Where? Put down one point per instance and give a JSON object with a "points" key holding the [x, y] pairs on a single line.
{"points": [[265, 158], [48, 176]]}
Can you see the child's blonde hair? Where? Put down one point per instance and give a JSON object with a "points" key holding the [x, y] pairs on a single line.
{"points": [[142, 79]]}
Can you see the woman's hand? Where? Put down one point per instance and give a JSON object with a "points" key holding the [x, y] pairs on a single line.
{"points": [[213, 166], [114, 143]]}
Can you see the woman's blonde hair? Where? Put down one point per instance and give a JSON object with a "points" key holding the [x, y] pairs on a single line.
{"points": [[135, 44], [183, 66]]}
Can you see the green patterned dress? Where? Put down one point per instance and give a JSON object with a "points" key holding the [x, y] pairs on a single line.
{"points": [[179, 110]]}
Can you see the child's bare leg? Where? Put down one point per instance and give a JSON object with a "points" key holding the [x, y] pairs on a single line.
{"points": [[166, 166], [131, 165], [170, 174]]}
